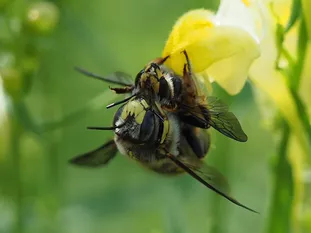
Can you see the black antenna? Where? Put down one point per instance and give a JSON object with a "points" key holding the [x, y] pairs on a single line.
{"points": [[154, 112], [157, 114], [106, 128], [120, 102], [96, 76]]}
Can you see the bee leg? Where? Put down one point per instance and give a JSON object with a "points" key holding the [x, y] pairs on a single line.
{"points": [[194, 141], [160, 61], [122, 90], [189, 84], [205, 139], [188, 63]]}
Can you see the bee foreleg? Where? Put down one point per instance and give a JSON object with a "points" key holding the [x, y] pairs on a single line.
{"points": [[122, 90], [187, 65], [160, 61]]}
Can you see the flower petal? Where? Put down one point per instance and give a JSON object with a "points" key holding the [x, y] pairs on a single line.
{"points": [[224, 53], [264, 76], [189, 30], [245, 14], [236, 50]]}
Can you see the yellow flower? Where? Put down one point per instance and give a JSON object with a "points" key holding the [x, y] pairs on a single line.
{"points": [[264, 75], [225, 47], [221, 46]]}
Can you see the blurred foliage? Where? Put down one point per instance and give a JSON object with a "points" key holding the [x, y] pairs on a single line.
{"points": [[49, 106]]}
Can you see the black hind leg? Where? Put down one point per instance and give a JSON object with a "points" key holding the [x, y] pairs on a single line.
{"points": [[194, 141]]}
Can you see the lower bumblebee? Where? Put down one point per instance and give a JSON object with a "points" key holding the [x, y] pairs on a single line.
{"points": [[158, 140]]}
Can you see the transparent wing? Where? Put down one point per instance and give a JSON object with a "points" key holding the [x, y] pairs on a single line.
{"points": [[98, 157], [223, 120], [208, 176], [119, 78], [216, 114]]}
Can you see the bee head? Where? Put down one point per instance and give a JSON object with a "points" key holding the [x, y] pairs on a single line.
{"points": [[138, 120], [149, 77]]}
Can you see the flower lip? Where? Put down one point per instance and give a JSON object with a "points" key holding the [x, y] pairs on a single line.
{"points": [[249, 15]]}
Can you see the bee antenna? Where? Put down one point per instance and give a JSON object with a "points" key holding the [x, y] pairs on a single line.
{"points": [[157, 114], [99, 77], [120, 102], [106, 128]]}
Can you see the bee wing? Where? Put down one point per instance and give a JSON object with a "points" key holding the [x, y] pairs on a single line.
{"points": [[208, 176], [223, 120], [119, 78], [216, 114], [98, 157]]}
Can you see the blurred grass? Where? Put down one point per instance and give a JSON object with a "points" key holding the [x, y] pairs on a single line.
{"points": [[104, 37]]}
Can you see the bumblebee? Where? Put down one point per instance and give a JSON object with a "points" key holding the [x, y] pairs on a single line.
{"points": [[177, 94], [161, 142]]}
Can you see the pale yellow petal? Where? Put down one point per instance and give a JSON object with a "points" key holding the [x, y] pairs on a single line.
{"points": [[245, 14], [280, 95], [236, 50], [265, 77]]}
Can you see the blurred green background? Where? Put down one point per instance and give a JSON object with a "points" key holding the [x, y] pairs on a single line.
{"points": [[41, 192]]}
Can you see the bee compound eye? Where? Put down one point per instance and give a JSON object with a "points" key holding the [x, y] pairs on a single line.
{"points": [[117, 115], [147, 127], [138, 77]]}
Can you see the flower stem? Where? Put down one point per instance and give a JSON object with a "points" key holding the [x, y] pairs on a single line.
{"points": [[302, 112], [283, 189]]}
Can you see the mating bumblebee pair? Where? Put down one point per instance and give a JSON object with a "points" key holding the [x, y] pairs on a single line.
{"points": [[163, 123]]}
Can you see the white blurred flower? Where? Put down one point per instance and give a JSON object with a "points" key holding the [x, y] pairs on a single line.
{"points": [[3, 104]]}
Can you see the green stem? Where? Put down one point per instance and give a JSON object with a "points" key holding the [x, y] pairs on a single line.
{"points": [[304, 117], [16, 169], [283, 189]]}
